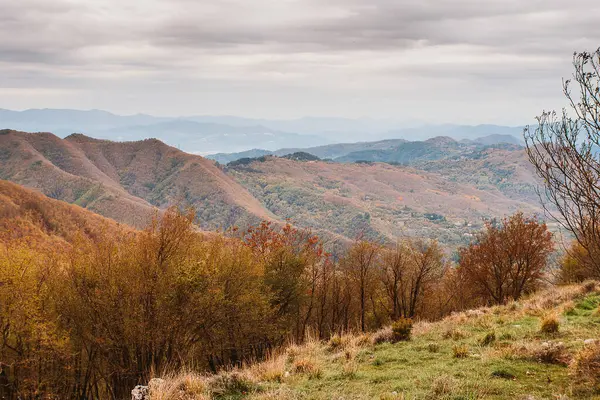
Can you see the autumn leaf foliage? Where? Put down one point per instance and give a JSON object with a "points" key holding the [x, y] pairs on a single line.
{"points": [[508, 259]]}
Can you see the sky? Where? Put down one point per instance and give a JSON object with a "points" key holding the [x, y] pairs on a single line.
{"points": [[434, 61]]}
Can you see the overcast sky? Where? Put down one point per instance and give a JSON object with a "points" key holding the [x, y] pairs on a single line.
{"points": [[463, 61]]}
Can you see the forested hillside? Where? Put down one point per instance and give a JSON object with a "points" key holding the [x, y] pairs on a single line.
{"points": [[447, 197], [92, 308], [125, 181]]}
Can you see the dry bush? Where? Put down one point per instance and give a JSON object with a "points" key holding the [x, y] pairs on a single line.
{"points": [[350, 353], [402, 329], [513, 305], [312, 344], [384, 335], [271, 370], [540, 303], [546, 352], [552, 353], [341, 342], [363, 340], [460, 351], [589, 287], [454, 334], [550, 325], [292, 352], [443, 385], [475, 313], [335, 343], [458, 318], [350, 368], [307, 366], [585, 367], [227, 383], [185, 386], [422, 328]]}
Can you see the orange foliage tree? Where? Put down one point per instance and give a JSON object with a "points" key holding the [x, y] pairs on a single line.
{"points": [[507, 260]]}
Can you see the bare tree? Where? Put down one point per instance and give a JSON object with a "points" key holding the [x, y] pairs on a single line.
{"points": [[565, 150], [361, 263], [409, 271]]}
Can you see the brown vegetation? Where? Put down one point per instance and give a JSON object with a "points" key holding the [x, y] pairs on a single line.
{"points": [[507, 260], [94, 308]]}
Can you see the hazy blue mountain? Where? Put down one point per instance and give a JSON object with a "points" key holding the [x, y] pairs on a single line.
{"points": [[391, 150], [225, 158], [335, 129], [188, 135], [330, 151], [437, 148], [218, 134], [202, 138], [455, 131], [498, 139], [64, 122]]}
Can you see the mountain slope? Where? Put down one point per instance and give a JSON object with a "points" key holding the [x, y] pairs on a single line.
{"points": [[29, 216], [124, 181], [62, 171], [446, 200], [437, 148], [332, 151], [391, 150]]}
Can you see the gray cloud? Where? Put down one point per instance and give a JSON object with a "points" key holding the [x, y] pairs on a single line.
{"points": [[280, 58]]}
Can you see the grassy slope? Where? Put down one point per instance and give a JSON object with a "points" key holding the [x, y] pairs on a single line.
{"points": [[425, 367]]}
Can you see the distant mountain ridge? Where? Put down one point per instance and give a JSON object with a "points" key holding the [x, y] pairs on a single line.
{"points": [[214, 134], [191, 135], [390, 150]]}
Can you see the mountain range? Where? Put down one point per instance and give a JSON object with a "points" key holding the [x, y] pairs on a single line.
{"points": [[390, 150], [212, 134], [445, 197]]}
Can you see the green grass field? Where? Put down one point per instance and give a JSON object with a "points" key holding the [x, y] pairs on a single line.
{"points": [[491, 353]]}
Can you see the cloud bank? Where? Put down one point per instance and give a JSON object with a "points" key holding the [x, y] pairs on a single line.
{"points": [[463, 61]]}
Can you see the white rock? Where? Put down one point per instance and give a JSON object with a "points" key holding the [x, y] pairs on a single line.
{"points": [[140, 393]]}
